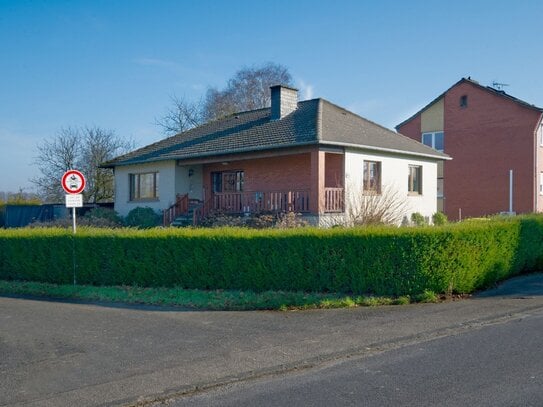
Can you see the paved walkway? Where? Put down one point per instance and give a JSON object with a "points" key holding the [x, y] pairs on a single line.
{"points": [[65, 354]]}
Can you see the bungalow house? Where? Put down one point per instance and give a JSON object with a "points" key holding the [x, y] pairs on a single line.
{"points": [[489, 133], [308, 157]]}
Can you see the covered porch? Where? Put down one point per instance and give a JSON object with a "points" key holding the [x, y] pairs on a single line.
{"points": [[309, 182]]}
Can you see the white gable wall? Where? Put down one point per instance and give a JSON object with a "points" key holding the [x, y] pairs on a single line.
{"points": [[394, 175], [166, 186], [173, 180]]}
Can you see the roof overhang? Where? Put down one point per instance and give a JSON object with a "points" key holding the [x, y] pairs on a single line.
{"points": [[437, 156]]}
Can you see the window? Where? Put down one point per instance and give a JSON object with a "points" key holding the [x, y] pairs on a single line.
{"points": [[541, 183], [434, 139], [464, 101], [414, 186], [144, 186], [231, 181], [372, 177]]}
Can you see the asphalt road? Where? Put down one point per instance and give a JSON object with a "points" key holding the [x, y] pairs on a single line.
{"points": [[66, 354], [498, 365]]}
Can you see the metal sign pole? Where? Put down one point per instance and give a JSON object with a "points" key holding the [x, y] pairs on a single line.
{"points": [[73, 220], [73, 182]]}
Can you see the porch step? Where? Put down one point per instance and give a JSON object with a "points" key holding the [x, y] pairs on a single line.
{"points": [[187, 219]]}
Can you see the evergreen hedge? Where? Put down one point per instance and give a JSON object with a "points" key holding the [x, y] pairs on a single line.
{"points": [[382, 261]]}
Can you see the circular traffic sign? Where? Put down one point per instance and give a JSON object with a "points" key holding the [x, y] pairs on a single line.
{"points": [[73, 182]]}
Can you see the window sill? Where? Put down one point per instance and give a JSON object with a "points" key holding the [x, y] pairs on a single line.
{"points": [[414, 194]]}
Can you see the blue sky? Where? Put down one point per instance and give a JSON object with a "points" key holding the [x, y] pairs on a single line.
{"points": [[115, 64]]}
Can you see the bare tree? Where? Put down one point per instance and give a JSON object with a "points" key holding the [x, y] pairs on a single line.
{"points": [[55, 157], [78, 148], [386, 208], [248, 89], [99, 146], [181, 116]]}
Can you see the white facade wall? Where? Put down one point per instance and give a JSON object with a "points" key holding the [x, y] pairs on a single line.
{"points": [[189, 180], [166, 190], [173, 180], [394, 176]]}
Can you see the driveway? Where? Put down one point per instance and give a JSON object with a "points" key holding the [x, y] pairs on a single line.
{"points": [[65, 354]]}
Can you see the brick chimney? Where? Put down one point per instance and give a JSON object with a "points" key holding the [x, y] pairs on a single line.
{"points": [[284, 100]]}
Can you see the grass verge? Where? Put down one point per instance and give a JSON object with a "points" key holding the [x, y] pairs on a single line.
{"points": [[204, 300]]}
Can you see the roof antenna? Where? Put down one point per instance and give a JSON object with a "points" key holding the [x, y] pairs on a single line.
{"points": [[498, 85]]}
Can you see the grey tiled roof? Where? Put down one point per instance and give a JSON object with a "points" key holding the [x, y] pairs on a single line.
{"points": [[315, 121], [341, 127]]}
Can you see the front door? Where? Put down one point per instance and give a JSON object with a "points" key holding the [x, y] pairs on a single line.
{"points": [[227, 188]]}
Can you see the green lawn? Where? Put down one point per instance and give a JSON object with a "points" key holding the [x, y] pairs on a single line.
{"points": [[203, 300]]}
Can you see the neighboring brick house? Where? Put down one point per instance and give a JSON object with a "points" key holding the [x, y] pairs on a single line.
{"points": [[488, 133], [295, 156]]}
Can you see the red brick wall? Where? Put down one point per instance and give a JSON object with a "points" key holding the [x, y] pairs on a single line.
{"points": [[333, 164], [412, 128], [267, 174], [485, 139], [283, 173]]}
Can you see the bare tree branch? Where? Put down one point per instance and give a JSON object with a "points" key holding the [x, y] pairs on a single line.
{"points": [[248, 89], [181, 116], [78, 148], [386, 208]]}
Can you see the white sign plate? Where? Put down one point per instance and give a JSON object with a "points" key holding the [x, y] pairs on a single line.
{"points": [[74, 201]]}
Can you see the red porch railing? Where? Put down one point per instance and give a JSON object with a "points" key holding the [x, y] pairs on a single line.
{"points": [[255, 202], [334, 200], [180, 206], [265, 201], [274, 201]]}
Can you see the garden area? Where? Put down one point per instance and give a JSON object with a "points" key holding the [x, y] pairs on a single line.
{"points": [[270, 268]]}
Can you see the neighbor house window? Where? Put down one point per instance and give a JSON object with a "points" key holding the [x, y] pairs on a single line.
{"points": [[144, 186], [541, 183], [414, 181], [464, 101], [434, 139], [372, 177]]}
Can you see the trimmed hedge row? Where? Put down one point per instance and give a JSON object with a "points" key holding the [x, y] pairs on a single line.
{"points": [[383, 261]]}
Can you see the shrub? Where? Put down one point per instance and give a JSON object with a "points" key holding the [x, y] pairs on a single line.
{"points": [[439, 219], [262, 221], [418, 220], [386, 208], [457, 258], [219, 220], [290, 220], [142, 218], [102, 217]]}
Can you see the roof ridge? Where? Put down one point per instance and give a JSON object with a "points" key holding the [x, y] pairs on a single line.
{"points": [[318, 118]]}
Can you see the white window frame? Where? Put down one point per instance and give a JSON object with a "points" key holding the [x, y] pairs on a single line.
{"points": [[369, 177], [433, 134], [135, 186], [410, 182]]}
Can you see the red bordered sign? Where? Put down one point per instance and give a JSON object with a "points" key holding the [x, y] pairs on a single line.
{"points": [[73, 182]]}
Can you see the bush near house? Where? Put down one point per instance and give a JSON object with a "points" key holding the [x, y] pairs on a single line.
{"points": [[382, 261]]}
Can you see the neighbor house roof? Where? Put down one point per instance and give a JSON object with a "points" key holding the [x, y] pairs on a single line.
{"points": [[489, 89], [314, 122]]}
